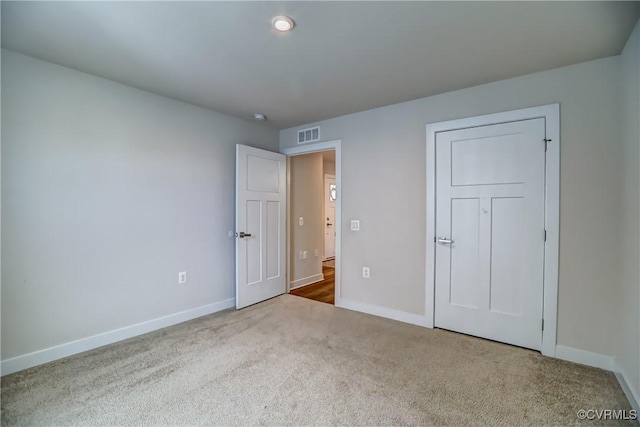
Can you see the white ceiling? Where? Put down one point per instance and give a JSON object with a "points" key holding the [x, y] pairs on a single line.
{"points": [[341, 58]]}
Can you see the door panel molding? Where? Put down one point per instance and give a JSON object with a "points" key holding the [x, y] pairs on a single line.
{"points": [[551, 114], [316, 148]]}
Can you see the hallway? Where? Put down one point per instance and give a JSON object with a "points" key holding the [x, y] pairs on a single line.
{"points": [[323, 291]]}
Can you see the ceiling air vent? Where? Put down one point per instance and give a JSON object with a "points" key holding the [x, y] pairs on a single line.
{"points": [[309, 135]]}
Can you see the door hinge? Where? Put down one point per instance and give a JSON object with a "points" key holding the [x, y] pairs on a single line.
{"points": [[546, 143], [543, 324]]}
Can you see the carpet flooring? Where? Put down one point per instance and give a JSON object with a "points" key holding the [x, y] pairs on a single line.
{"points": [[293, 361]]}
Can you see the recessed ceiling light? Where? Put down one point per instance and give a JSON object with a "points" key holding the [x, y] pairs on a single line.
{"points": [[283, 23], [260, 117]]}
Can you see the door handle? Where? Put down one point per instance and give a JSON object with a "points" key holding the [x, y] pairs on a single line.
{"points": [[444, 240], [243, 234], [329, 224]]}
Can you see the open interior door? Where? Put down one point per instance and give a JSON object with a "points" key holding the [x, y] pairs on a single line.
{"points": [[260, 225]]}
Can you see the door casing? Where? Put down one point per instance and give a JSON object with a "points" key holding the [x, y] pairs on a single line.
{"points": [[551, 114], [335, 145]]}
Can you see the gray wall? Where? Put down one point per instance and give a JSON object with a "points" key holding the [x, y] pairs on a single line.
{"points": [[628, 350], [107, 193], [306, 201], [383, 185]]}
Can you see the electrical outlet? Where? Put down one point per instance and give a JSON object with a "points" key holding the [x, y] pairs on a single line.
{"points": [[315, 252], [304, 255], [366, 273], [355, 225], [182, 277], [301, 255]]}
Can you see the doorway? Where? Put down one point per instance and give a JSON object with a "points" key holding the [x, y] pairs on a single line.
{"points": [[492, 226], [313, 193], [314, 225]]}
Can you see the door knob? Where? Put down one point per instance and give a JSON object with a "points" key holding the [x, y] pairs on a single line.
{"points": [[444, 240], [243, 234]]}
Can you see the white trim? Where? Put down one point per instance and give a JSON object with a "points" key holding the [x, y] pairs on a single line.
{"points": [[315, 148], [288, 226], [401, 316], [50, 354], [551, 114], [584, 357], [306, 281], [430, 261], [632, 396], [552, 226]]}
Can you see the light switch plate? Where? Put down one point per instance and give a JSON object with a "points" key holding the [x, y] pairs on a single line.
{"points": [[301, 221], [355, 225]]}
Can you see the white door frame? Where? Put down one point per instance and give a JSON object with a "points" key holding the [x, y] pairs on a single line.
{"points": [[551, 114], [315, 148]]}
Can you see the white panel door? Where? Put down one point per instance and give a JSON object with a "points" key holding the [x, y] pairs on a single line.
{"points": [[330, 216], [490, 231], [260, 225]]}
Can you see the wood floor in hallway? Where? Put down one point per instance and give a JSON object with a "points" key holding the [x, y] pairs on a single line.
{"points": [[323, 291]]}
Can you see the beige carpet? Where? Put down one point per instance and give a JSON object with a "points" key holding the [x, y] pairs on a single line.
{"points": [[292, 361]]}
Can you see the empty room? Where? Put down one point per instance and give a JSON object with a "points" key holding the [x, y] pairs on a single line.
{"points": [[320, 213]]}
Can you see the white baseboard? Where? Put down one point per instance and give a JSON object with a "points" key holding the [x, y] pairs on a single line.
{"points": [[584, 357], [50, 354], [632, 395], [401, 316], [306, 281]]}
